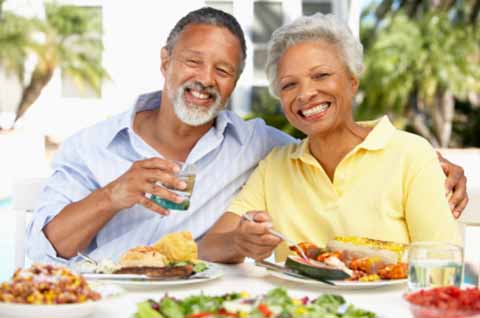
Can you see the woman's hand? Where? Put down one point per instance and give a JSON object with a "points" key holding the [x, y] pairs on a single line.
{"points": [[456, 185], [253, 239]]}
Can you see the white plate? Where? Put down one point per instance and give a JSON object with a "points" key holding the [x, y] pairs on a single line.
{"points": [[86, 309], [131, 280], [340, 284], [50, 311]]}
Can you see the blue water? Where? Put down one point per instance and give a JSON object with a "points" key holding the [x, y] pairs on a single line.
{"points": [[7, 239]]}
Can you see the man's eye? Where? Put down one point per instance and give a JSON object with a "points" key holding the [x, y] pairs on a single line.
{"points": [[193, 62], [223, 72]]}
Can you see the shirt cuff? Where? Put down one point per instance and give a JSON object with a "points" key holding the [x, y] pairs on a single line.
{"points": [[39, 248]]}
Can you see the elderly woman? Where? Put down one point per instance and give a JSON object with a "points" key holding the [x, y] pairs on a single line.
{"points": [[347, 178]]}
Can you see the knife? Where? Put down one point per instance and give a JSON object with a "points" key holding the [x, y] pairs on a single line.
{"points": [[291, 272]]}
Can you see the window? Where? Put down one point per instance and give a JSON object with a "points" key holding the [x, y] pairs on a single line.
{"points": [[74, 86], [226, 6], [268, 16], [312, 7]]}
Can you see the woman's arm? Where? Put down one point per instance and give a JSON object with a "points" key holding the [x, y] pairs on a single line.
{"points": [[232, 239]]}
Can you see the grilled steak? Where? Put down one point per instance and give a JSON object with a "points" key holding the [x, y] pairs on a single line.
{"points": [[158, 272]]}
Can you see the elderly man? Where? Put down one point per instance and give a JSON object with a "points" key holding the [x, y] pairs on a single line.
{"points": [[95, 199]]}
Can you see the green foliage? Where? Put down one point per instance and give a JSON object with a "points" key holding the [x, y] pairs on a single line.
{"points": [[418, 56], [75, 40], [15, 42], [69, 38], [466, 125], [417, 53], [269, 109]]}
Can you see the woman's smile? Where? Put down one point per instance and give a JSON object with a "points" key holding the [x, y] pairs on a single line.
{"points": [[315, 112]]}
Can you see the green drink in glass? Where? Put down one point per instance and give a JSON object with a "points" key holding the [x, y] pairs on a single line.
{"points": [[187, 174]]}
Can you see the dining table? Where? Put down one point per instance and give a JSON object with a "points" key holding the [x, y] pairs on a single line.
{"points": [[385, 301]]}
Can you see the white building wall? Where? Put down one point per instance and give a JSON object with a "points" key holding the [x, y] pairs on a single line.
{"points": [[134, 32]]}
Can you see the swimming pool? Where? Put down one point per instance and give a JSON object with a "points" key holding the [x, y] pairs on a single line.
{"points": [[7, 239]]}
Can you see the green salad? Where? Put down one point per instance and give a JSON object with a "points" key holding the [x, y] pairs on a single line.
{"points": [[275, 304]]}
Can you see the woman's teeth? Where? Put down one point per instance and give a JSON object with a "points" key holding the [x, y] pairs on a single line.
{"points": [[199, 95], [315, 110]]}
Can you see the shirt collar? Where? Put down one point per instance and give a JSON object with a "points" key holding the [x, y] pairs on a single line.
{"points": [[377, 139], [379, 136], [223, 123]]}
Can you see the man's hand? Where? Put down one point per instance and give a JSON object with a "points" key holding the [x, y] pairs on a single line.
{"points": [[456, 185], [253, 239], [130, 188]]}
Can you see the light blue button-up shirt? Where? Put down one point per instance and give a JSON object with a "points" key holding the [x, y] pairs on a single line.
{"points": [[224, 157]]}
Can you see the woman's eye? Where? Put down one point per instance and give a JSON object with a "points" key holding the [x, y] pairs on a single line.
{"points": [[287, 86], [320, 75]]}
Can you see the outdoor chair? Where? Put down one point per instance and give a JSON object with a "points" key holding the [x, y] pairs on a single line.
{"points": [[24, 196]]}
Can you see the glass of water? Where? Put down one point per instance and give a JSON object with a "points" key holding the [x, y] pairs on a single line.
{"points": [[187, 174], [434, 264]]}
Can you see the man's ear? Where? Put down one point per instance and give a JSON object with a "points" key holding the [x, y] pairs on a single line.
{"points": [[164, 60]]}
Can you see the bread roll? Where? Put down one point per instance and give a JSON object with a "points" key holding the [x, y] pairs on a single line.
{"points": [[143, 256]]}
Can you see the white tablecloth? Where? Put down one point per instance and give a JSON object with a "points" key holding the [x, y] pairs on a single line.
{"points": [[387, 302]]}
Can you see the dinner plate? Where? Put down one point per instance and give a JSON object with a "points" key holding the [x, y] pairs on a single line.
{"points": [[131, 280], [51, 311], [339, 284]]}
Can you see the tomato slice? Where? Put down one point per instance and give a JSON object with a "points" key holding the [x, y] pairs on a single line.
{"points": [[263, 308]]}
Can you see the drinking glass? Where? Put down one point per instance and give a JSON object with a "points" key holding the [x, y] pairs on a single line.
{"points": [[187, 174], [434, 264]]}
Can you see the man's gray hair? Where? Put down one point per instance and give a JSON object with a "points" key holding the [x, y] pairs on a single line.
{"points": [[210, 16], [313, 28]]}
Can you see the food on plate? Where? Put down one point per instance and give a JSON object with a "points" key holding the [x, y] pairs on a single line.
{"points": [[177, 247], [360, 247], [275, 304], [352, 258], [46, 284], [143, 256], [445, 302], [173, 256], [147, 260], [315, 269]]}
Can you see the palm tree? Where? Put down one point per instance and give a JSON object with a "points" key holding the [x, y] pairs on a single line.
{"points": [[69, 38], [419, 59], [15, 42]]}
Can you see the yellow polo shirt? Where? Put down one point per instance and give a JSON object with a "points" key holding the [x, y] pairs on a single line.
{"points": [[389, 187]]}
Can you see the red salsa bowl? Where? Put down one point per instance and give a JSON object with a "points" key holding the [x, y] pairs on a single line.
{"points": [[445, 302]]}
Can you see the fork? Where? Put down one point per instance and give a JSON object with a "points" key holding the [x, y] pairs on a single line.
{"points": [[283, 237], [87, 258]]}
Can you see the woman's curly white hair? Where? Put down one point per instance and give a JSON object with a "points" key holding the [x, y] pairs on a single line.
{"points": [[313, 28]]}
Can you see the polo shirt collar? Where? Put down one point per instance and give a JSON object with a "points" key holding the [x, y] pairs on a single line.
{"points": [[379, 136], [377, 139]]}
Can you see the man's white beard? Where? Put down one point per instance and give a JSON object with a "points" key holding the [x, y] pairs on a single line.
{"points": [[192, 114]]}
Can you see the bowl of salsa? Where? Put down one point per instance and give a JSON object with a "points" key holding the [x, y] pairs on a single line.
{"points": [[445, 302]]}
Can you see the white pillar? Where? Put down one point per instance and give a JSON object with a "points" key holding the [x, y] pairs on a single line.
{"points": [[241, 97], [354, 17], [292, 9]]}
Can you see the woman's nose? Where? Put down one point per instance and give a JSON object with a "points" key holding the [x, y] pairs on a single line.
{"points": [[306, 94]]}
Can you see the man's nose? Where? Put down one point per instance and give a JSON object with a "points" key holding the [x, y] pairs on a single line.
{"points": [[206, 76]]}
